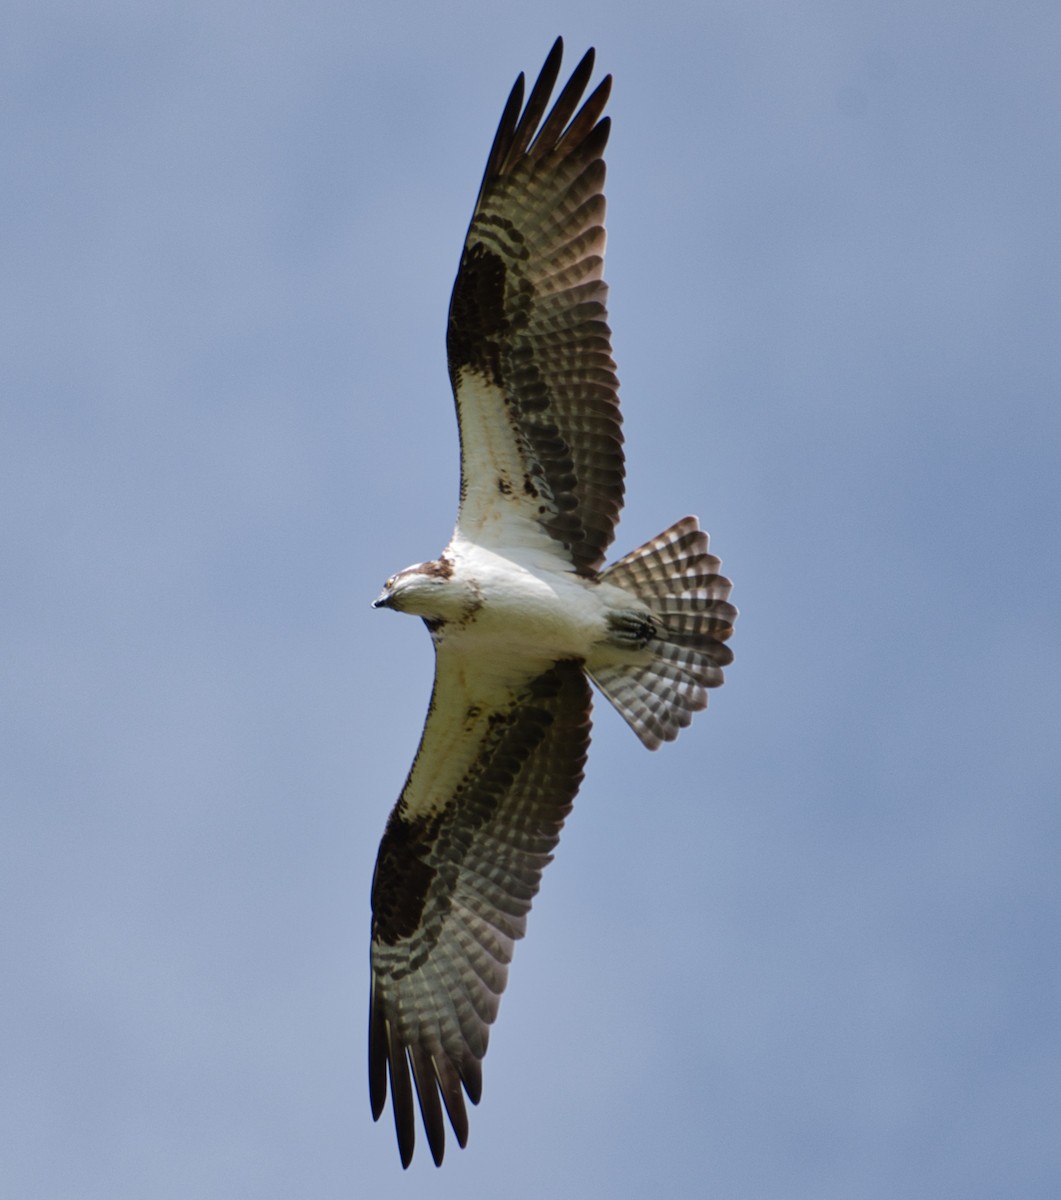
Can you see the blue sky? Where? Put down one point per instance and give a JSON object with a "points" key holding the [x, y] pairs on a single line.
{"points": [[810, 950]]}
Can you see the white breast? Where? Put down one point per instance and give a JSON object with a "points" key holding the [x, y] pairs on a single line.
{"points": [[528, 610]]}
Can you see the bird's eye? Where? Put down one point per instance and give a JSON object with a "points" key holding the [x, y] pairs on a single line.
{"points": [[390, 582]]}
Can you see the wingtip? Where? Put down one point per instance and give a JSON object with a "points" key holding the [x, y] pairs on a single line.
{"points": [[406, 1133]]}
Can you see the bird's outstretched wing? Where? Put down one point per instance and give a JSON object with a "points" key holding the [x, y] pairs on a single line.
{"points": [[498, 765], [528, 339]]}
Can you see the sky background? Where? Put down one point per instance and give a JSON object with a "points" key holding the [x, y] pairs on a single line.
{"points": [[809, 952]]}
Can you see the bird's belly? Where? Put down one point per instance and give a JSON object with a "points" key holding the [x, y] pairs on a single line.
{"points": [[529, 615]]}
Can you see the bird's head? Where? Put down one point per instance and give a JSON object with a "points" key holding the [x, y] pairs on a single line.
{"points": [[426, 590]]}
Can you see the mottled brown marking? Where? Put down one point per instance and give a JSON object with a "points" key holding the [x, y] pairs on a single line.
{"points": [[439, 568]]}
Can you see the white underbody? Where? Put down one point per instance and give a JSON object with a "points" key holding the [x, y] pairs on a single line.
{"points": [[534, 613], [518, 614]]}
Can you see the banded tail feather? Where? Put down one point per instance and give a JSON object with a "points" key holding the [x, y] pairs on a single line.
{"points": [[683, 651]]}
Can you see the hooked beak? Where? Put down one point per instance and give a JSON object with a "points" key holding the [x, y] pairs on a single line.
{"points": [[383, 600]]}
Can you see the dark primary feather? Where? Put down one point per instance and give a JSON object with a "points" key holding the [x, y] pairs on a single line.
{"points": [[528, 316], [456, 873]]}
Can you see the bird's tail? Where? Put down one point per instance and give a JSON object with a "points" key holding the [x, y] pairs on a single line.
{"points": [[664, 663]]}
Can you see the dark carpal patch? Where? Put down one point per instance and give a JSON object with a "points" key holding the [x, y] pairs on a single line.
{"points": [[477, 319], [402, 877]]}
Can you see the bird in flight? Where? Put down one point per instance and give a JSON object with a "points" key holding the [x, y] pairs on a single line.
{"points": [[521, 610]]}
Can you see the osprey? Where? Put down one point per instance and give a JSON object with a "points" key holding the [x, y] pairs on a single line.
{"points": [[520, 611]]}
